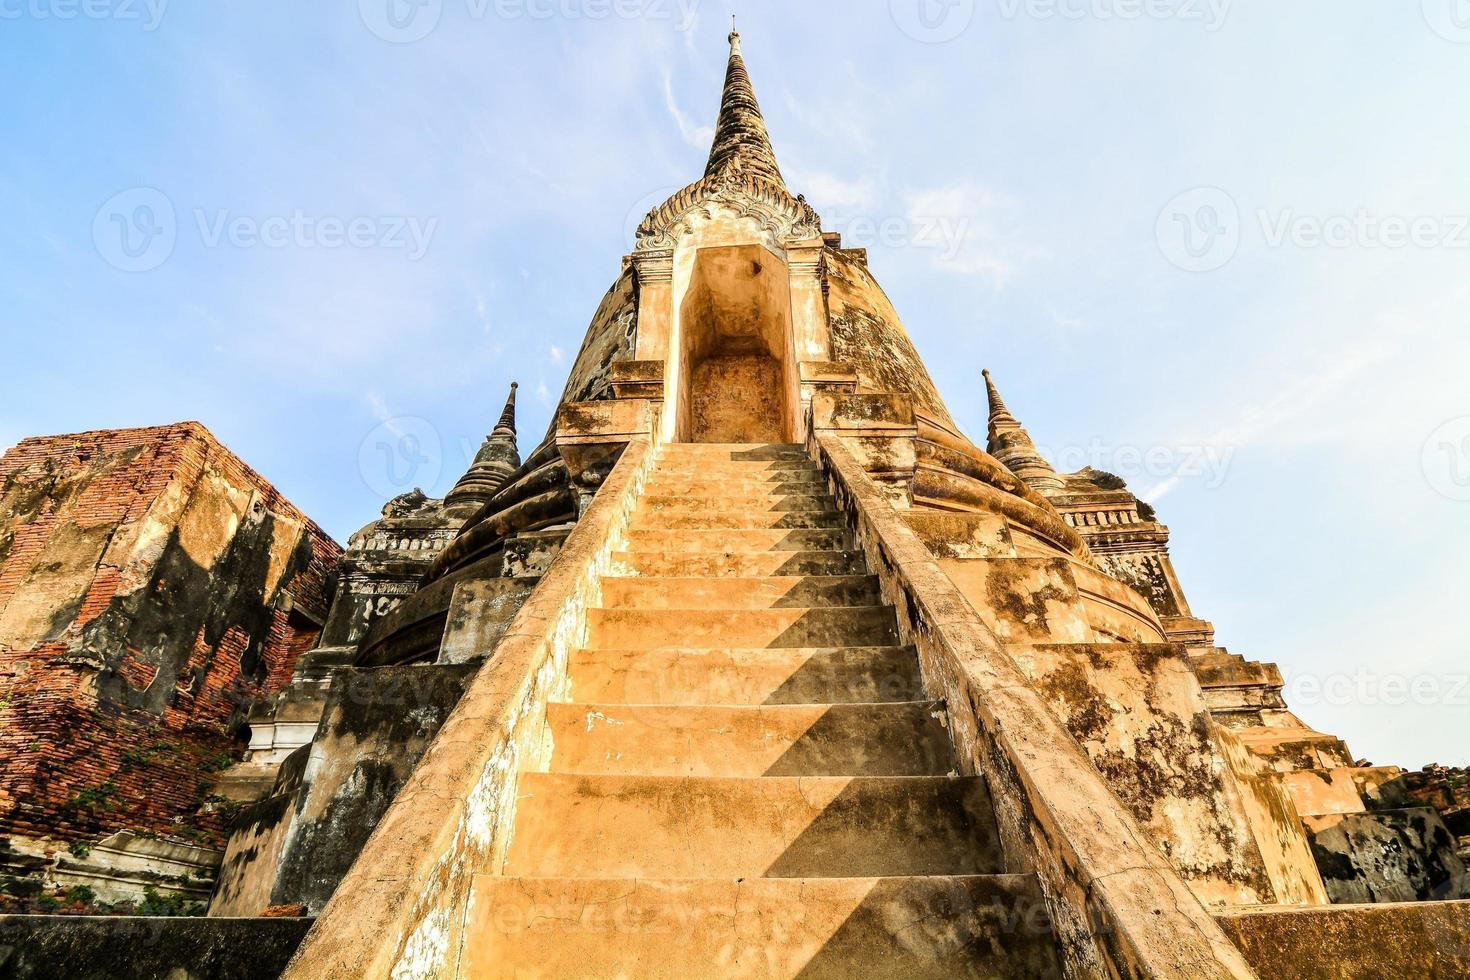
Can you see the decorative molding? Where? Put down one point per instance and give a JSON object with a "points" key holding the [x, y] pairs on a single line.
{"points": [[787, 218]]}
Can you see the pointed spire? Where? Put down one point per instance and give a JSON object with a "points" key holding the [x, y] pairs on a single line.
{"points": [[1010, 443], [999, 414], [507, 424], [741, 144], [497, 459]]}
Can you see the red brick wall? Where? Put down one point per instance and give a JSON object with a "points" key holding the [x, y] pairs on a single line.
{"points": [[80, 766]]}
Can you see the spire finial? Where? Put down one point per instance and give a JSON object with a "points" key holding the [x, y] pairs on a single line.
{"points": [[1010, 443], [496, 462], [998, 411], [507, 422], [742, 143]]}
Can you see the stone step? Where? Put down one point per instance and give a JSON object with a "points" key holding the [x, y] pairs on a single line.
{"points": [[736, 451], [756, 499], [773, 827], [796, 503], [725, 517], [916, 928], [726, 542], [694, 461], [895, 739], [774, 592], [648, 629], [1294, 748], [665, 484], [727, 565], [742, 477], [845, 675]]}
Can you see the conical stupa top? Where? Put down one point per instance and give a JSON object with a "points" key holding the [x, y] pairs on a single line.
{"points": [[1010, 443], [742, 144], [497, 459], [507, 424], [999, 414]]}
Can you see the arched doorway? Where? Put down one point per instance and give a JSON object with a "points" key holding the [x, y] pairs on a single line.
{"points": [[735, 327]]}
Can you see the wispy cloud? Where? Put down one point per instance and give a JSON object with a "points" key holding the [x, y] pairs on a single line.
{"points": [[975, 230], [1304, 391], [829, 190], [699, 137]]}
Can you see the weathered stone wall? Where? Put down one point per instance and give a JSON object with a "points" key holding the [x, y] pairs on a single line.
{"points": [[376, 725], [400, 909], [868, 334], [124, 948], [1117, 907], [152, 587], [1137, 711], [609, 338], [1426, 941]]}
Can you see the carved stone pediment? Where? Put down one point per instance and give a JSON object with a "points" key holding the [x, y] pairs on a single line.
{"points": [[786, 218]]}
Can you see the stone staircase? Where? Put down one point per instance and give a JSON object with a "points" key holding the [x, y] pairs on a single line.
{"points": [[748, 781]]}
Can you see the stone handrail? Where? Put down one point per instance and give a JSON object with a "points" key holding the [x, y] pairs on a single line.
{"points": [[400, 910], [1118, 908]]}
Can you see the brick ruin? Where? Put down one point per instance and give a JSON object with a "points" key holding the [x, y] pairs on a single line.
{"points": [[754, 636], [152, 589]]}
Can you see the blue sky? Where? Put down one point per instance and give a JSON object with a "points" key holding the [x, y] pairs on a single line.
{"points": [[1222, 238]]}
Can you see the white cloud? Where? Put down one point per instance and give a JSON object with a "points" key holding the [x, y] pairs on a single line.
{"points": [[971, 230], [828, 190], [1303, 392], [699, 137]]}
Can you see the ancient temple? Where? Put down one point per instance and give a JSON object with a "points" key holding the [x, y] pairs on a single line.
{"points": [[756, 665]]}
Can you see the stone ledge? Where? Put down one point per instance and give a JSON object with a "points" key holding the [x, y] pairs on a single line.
{"points": [[1429, 940]]}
